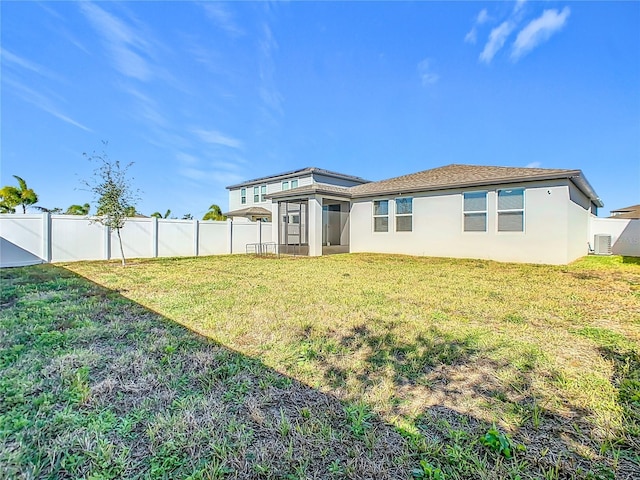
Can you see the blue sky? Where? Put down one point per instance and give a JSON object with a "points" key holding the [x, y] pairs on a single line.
{"points": [[201, 95]]}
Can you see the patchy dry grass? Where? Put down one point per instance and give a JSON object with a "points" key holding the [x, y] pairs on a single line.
{"points": [[350, 366]]}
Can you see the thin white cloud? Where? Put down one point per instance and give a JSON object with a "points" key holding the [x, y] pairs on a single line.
{"points": [[518, 6], [42, 102], [269, 93], [222, 18], [497, 38], [127, 48], [471, 36], [146, 109], [11, 58], [427, 77], [539, 31], [186, 159], [533, 165], [481, 18], [217, 138]]}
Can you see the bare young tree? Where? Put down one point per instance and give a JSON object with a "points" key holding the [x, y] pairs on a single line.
{"points": [[114, 193]]}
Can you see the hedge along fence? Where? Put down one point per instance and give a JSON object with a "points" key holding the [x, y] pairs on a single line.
{"points": [[44, 238]]}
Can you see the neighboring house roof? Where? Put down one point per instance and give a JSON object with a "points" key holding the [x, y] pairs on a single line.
{"points": [[321, 188], [629, 212], [456, 176], [294, 173], [249, 212]]}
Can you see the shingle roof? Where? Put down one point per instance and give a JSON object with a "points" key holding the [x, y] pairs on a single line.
{"points": [[629, 212], [456, 176], [302, 171], [249, 212]]}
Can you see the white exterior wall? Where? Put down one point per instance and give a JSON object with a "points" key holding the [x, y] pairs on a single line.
{"points": [[438, 227], [578, 221], [235, 197], [342, 182], [625, 234]]}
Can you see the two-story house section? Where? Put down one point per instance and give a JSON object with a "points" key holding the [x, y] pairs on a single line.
{"points": [[248, 200]]}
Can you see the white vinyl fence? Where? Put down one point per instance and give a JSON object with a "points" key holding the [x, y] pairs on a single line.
{"points": [[32, 239], [625, 234]]}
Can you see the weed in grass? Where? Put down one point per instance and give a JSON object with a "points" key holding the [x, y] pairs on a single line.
{"points": [[336, 468], [284, 425], [498, 442], [358, 418]]}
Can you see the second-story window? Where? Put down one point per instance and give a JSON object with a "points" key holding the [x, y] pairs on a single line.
{"points": [[243, 196], [285, 185], [256, 194], [263, 193], [294, 183]]}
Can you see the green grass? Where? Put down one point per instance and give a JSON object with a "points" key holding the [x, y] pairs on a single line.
{"points": [[346, 366]]}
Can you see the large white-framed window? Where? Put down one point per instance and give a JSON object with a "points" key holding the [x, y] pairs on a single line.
{"points": [[474, 211], [243, 196], [404, 214], [381, 215], [294, 183], [511, 210], [256, 194], [263, 193], [285, 185]]}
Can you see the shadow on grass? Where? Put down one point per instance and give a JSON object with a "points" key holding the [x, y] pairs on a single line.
{"points": [[631, 260], [447, 376], [94, 385]]}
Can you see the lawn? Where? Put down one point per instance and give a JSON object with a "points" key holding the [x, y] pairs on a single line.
{"points": [[346, 366]]}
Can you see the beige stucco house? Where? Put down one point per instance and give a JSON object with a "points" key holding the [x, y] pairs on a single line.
{"points": [[534, 215]]}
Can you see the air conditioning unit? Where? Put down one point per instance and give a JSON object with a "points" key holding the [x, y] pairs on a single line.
{"points": [[602, 244]]}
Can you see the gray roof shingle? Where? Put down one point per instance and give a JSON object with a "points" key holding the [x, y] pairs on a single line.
{"points": [[457, 176]]}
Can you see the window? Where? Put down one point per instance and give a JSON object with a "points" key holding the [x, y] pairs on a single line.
{"points": [[285, 185], [256, 194], [404, 214], [475, 211], [294, 183], [511, 210], [381, 215], [243, 196], [263, 193]]}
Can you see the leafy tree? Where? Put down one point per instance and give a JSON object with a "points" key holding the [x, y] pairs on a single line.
{"points": [[53, 211], [131, 210], [159, 215], [11, 197], [214, 213], [114, 193], [78, 210]]}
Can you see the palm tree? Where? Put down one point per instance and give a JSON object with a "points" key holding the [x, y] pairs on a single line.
{"points": [[11, 197], [159, 215], [214, 213], [78, 210]]}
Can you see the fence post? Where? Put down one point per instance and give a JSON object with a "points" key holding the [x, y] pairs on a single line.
{"points": [[196, 233], [107, 243], [46, 237], [154, 237], [230, 236]]}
